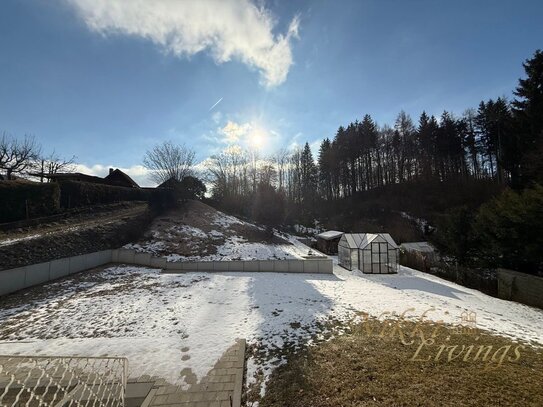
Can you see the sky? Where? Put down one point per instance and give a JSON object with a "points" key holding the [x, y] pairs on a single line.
{"points": [[106, 80]]}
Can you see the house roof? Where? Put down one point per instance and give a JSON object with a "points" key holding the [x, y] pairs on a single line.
{"points": [[64, 176], [361, 240], [329, 235], [117, 177]]}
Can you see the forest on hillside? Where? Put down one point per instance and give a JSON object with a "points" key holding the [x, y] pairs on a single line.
{"points": [[476, 177]]}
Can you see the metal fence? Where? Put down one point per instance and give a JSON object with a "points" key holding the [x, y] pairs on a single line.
{"points": [[36, 381]]}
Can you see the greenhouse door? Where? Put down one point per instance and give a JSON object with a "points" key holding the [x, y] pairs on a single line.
{"points": [[344, 255], [379, 258]]}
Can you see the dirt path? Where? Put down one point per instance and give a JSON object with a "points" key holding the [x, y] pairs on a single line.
{"points": [[99, 216]]}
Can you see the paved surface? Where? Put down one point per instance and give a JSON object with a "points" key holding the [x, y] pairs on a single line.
{"points": [[220, 388]]}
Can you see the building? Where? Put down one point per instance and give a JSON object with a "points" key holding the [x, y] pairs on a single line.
{"points": [[419, 255], [327, 242], [374, 253], [120, 179], [420, 248], [114, 178], [73, 176]]}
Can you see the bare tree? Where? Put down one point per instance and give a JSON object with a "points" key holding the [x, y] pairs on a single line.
{"points": [[227, 172], [281, 159], [18, 156], [53, 164], [4, 150], [267, 173], [169, 160]]}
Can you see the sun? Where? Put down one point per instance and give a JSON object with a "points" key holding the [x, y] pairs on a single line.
{"points": [[257, 138]]}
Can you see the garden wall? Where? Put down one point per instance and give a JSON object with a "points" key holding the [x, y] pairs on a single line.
{"points": [[317, 265], [520, 287], [16, 279]]}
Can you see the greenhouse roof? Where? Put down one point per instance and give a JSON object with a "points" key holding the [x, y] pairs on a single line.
{"points": [[361, 240]]}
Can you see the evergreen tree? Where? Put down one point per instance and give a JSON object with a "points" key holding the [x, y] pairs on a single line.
{"points": [[528, 112], [368, 140], [325, 169], [425, 143], [509, 228], [404, 142], [470, 141], [308, 176]]}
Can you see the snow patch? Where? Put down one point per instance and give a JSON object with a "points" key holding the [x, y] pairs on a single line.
{"points": [[152, 318], [9, 242]]}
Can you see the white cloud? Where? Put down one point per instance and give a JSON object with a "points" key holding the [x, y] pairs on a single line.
{"points": [[226, 29], [251, 135], [234, 132]]}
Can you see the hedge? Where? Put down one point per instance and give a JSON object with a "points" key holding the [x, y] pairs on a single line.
{"points": [[24, 200], [75, 193]]}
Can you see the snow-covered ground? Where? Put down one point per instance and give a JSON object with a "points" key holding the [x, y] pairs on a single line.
{"points": [[308, 230], [422, 224], [174, 241], [238, 248], [165, 322], [7, 242], [232, 248]]}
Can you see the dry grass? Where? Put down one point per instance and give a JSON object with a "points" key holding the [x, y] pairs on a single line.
{"points": [[371, 365], [168, 229]]}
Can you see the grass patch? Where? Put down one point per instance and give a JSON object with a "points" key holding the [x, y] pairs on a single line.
{"points": [[374, 363]]}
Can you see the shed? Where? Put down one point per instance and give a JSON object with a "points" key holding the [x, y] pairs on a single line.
{"points": [[374, 253], [419, 247], [422, 253], [327, 242]]}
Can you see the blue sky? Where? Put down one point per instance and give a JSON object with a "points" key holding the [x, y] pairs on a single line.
{"points": [[107, 79]]}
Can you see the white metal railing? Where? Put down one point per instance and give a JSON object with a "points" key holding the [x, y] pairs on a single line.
{"points": [[62, 381]]}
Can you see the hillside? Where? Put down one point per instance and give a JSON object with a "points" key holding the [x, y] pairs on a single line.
{"points": [[403, 209], [88, 230], [197, 231]]}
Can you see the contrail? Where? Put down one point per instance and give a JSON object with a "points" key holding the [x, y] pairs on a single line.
{"points": [[216, 103]]}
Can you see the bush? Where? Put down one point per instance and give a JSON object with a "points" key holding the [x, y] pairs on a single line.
{"points": [[269, 206], [24, 199], [192, 188], [162, 199], [75, 193], [455, 236], [509, 230]]}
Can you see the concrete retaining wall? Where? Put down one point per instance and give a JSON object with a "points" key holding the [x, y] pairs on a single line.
{"points": [[317, 265], [520, 287], [23, 277]]}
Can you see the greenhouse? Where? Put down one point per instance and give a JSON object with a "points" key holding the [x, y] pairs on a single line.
{"points": [[374, 253]]}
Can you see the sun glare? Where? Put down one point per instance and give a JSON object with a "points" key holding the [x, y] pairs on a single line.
{"points": [[257, 138]]}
